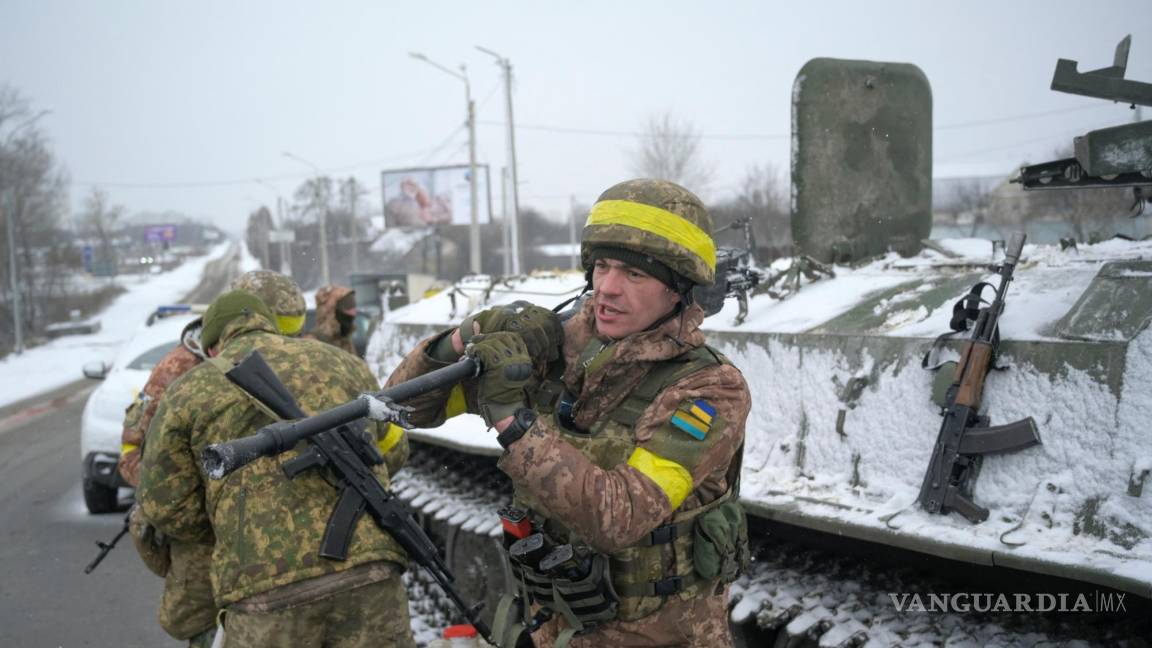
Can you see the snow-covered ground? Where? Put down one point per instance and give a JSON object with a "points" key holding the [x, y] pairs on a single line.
{"points": [[43, 368]]}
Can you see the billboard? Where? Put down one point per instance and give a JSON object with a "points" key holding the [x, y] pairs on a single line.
{"points": [[159, 233], [428, 196]]}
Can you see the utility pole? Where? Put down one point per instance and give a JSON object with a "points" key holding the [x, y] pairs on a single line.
{"points": [[285, 264], [506, 67], [506, 230], [474, 231], [352, 197], [573, 242], [17, 312]]}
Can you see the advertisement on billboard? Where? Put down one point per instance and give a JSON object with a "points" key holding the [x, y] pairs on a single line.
{"points": [[428, 196], [160, 233]]}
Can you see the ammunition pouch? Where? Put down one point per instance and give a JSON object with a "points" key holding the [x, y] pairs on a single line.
{"points": [[586, 601], [536, 587], [152, 547], [720, 543]]}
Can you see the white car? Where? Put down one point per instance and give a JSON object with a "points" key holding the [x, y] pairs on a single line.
{"points": [[103, 418]]}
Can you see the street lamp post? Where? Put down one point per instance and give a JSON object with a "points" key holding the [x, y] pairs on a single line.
{"points": [[17, 317], [474, 231], [325, 278], [514, 224]]}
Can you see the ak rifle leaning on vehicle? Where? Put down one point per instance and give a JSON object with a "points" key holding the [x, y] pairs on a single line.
{"points": [[966, 436], [346, 451]]}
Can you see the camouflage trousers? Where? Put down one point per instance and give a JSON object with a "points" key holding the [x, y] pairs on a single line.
{"points": [[701, 622], [187, 608], [374, 615], [204, 639]]}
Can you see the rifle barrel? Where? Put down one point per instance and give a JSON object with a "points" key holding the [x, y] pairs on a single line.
{"points": [[220, 459]]}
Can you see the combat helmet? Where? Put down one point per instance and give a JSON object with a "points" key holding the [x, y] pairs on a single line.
{"points": [[280, 293], [662, 223]]}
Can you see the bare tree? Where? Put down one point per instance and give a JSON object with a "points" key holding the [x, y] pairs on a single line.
{"points": [[256, 235], [32, 197], [101, 219], [1093, 213], [762, 201], [971, 200], [669, 149]]}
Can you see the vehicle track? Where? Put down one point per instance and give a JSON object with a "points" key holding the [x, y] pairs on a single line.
{"points": [[800, 591]]}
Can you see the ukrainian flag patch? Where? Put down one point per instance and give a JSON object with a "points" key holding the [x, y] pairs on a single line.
{"points": [[694, 418]]}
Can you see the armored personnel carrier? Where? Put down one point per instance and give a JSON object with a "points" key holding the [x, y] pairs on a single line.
{"points": [[843, 368]]}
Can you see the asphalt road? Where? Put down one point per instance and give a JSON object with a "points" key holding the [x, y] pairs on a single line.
{"points": [[47, 537]]}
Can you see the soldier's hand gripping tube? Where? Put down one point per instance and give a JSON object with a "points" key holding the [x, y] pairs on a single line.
{"points": [[220, 459]]}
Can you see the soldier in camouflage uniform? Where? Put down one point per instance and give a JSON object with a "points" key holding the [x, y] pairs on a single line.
{"points": [[266, 573], [624, 442], [335, 317], [187, 610], [283, 297]]}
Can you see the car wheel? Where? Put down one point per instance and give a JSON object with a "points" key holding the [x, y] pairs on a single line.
{"points": [[99, 498]]}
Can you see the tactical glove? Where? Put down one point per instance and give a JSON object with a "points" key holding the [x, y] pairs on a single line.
{"points": [[539, 327], [505, 368]]}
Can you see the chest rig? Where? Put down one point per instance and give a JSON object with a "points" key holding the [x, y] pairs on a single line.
{"points": [[661, 565]]}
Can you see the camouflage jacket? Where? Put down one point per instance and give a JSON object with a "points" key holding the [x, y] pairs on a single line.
{"points": [[610, 507], [267, 528], [139, 414], [327, 329]]}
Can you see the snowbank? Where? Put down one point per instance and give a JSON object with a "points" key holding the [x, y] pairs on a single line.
{"points": [[57, 363]]}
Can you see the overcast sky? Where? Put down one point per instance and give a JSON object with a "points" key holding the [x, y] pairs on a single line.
{"points": [[184, 106]]}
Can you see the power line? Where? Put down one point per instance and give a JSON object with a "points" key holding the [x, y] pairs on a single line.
{"points": [[287, 176], [432, 152], [781, 136]]}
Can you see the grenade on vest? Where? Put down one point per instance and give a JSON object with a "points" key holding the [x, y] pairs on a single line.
{"points": [[565, 562]]}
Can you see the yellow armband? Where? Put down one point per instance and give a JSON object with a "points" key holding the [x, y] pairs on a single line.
{"points": [[671, 477]]}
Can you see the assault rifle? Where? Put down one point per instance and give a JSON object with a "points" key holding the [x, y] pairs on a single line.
{"points": [[348, 454], [735, 277], [966, 436], [105, 547]]}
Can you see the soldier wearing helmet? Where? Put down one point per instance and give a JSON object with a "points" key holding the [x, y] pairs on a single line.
{"points": [[335, 317], [264, 529], [187, 610], [622, 432]]}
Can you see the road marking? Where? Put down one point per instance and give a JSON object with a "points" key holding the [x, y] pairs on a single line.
{"points": [[41, 409]]}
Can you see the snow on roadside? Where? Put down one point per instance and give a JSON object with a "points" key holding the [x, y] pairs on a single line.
{"points": [[48, 366]]}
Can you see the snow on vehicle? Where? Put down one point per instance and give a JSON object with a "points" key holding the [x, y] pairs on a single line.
{"points": [[843, 421]]}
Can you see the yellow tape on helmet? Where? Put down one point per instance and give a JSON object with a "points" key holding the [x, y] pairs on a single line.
{"points": [[671, 477], [289, 324], [659, 222]]}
